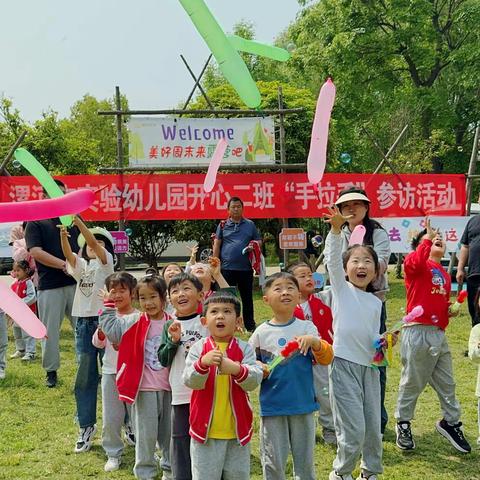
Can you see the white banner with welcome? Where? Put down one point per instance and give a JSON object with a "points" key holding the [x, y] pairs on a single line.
{"points": [[401, 230], [160, 141]]}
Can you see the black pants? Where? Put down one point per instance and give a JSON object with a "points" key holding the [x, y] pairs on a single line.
{"points": [[383, 374], [473, 283], [243, 280], [180, 443]]}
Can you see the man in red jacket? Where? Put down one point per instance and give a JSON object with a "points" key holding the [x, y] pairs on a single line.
{"points": [[425, 354]]}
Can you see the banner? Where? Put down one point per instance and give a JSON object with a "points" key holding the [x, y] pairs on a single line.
{"points": [[162, 141], [265, 195], [402, 230]]}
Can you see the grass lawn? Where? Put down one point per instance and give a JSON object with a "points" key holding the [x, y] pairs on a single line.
{"points": [[38, 431]]}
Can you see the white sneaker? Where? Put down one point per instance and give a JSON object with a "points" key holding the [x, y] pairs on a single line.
{"points": [[17, 354], [113, 463], [28, 357], [2, 373], [335, 476], [85, 438]]}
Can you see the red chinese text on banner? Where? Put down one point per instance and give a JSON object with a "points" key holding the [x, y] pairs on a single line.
{"points": [[265, 195]]}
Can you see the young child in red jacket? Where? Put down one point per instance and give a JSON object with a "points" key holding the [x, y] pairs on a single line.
{"points": [[221, 369], [315, 307], [426, 357]]}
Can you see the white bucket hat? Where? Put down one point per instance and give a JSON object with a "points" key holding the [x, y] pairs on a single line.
{"points": [[96, 231]]}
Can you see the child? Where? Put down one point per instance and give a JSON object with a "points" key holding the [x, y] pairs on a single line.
{"points": [[221, 370], [210, 274], [90, 271], [425, 354], [354, 384], [287, 396], [168, 272], [24, 288], [315, 307], [474, 354], [178, 336], [115, 413], [141, 380]]}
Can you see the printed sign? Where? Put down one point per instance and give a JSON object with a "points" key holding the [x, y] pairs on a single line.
{"points": [[121, 243], [293, 238], [162, 141], [264, 195]]}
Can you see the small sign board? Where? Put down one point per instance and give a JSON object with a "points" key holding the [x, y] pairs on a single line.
{"points": [[121, 244], [293, 239]]}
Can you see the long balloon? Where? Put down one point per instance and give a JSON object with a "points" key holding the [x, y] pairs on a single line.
{"points": [[35, 168], [20, 312], [70, 203], [229, 60], [356, 238], [211, 176], [257, 48], [317, 156]]}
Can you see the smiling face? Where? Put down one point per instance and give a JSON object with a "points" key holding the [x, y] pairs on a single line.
{"points": [[150, 302], [357, 209], [170, 271], [202, 272], [437, 251], [222, 321], [185, 298], [304, 276], [122, 297], [360, 268], [18, 272], [282, 296]]}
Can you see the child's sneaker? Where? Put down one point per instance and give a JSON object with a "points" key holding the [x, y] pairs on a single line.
{"points": [[129, 435], [404, 436], [2, 373], [17, 354], [335, 476], [113, 463], [28, 357], [85, 438], [454, 434]]}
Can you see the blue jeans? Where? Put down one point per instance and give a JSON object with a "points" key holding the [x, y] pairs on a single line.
{"points": [[86, 381]]}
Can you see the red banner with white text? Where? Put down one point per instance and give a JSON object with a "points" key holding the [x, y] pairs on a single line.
{"points": [[265, 195]]}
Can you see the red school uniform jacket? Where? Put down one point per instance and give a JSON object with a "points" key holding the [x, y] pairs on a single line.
{"points": [[321, 317], [428, 285]]}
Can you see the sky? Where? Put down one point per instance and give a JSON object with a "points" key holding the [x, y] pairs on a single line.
{"points": [[56, 51]]}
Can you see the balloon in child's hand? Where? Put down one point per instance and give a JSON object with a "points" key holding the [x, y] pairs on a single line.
{"points": [[345, 158], [356, 238]]}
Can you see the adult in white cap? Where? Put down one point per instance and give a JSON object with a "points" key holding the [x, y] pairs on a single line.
{"points": [[354, 204]]}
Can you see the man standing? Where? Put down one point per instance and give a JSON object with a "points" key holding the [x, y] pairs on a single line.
{"points": [[56, 289], [470, 255], [231, 245]]}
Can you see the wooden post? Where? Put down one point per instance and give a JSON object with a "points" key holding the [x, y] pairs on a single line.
{"points": [[283, 157]]}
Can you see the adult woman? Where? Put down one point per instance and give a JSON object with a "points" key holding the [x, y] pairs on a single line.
{"points": [[354, 204]]}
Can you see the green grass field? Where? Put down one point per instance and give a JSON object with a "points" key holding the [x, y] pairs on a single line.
{"points": [[37, 430]]}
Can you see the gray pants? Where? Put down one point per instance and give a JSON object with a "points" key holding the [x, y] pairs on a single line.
{"points": [[355, 394], [3, 340], [114, 414], [322, 392], [220, 460], [426, 358], [53, 305], [279, 435], [23, 341], [151, 416]]}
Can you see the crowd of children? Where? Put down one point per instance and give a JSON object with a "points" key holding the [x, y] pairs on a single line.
{"points": [[176, 377]]}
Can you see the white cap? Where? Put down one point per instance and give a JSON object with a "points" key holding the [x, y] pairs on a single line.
{"points": [[348, 197], [96, 231]]}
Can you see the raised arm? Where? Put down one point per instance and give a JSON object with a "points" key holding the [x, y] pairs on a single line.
{"points": [[66, 248]]}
